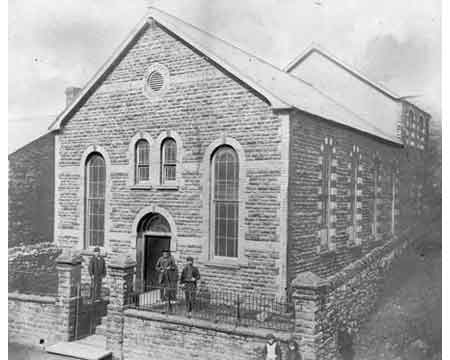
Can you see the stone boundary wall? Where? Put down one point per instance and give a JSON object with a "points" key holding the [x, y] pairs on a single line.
{"points": [[346, 298], [149, 335], [32, 318], [32, 269]]}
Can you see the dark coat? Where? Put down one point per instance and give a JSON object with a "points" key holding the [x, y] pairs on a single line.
{"points": [[277, 351], [294, 354], [97, 267], [167, 270], [345, 344], [184, 275]]}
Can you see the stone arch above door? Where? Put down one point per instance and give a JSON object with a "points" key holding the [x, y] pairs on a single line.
{"points": [[147, 214]]}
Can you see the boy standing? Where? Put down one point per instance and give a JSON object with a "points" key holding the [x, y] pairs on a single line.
{"points": [[189, 277], [272, 349]]}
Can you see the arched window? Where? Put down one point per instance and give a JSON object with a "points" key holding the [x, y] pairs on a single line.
{"points": [[225, 201], [142, 160], [327, 149], [95, 200], [376, 195], [168, 161], [394, 195], [355, 157]]}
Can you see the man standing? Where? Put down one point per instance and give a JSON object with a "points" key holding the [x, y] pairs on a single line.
{"points": [[189, 277], [97, 271], [167, 277], [345, 343]]}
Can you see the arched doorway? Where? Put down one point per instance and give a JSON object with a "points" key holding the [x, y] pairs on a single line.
{"points": [[154, 235]]}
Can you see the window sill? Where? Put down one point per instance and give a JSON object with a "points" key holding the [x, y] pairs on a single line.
{"points": [[141, 187], [234, 263], [167, 187], [326, 252]]}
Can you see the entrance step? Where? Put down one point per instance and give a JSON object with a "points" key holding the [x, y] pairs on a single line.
{"points": [[101, 328], [90, 348], [97, 341]]}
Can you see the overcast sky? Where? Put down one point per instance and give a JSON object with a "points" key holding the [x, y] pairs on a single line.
{"points": [[55, 44]]}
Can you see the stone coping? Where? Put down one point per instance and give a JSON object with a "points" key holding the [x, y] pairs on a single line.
{"points": [[208, 325], [309, 280], [32, 298], [395, 243]]}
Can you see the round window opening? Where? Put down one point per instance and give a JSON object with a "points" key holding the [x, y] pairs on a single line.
{"points": [[156, 81]]}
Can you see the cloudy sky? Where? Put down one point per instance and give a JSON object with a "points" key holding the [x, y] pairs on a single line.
{"points": [[55, 44]]}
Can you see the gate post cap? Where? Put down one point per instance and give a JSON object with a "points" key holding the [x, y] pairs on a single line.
{"points": [[122, 261], [69, 257]]}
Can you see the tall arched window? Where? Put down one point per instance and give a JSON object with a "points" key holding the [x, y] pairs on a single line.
{"points": [[354, 176], [95, 200], [375, 195], [168, 161], [327, 149], [142, 160], [225, 201]]}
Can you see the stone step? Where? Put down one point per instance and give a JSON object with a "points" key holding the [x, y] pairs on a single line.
{"points": [[96, 340], [101, 329], [79, 350]]}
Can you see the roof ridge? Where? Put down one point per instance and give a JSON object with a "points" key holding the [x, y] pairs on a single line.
{"points": [[221, 39]]}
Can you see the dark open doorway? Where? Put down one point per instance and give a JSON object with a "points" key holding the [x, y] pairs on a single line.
{"points": [[153, 236], [154, 245]]}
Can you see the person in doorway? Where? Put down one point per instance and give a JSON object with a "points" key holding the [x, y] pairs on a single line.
{"points": [[188, 280], [345, 343], [293, 352], [167, 277], [272, 349], [97, 271]]}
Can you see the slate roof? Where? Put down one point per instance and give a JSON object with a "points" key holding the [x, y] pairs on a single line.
{"points": [[315, 48], [282, 90]]}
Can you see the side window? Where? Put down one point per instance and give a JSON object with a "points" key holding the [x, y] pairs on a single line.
{"points": [[225, 201], [95, 187], [142, 162], [168, 161]]}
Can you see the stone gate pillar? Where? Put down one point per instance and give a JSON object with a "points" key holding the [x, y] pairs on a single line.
{"points": [[121, 271], [309, 292], [68, 266]]}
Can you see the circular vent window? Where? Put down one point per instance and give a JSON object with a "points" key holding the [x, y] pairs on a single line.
{"points": [[156, 80]]}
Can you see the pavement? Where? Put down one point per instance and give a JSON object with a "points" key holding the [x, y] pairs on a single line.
{"points": [[407, 324], [22, 352]]}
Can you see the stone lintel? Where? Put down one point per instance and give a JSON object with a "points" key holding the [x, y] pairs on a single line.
{"points": [[309, 280]]}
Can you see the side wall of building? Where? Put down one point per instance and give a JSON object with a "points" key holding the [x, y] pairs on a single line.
{"points": [[305, 198], [203, 105], [31, 193]]}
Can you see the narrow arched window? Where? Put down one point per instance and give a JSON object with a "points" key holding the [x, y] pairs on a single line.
{"points": [[142, 160], [169, 161], [355, 158], [95, 200], [225, 201], [375, 195], [327, 149]]}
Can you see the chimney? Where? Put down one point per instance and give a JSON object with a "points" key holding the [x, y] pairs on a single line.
{"points": [[71, 93]]}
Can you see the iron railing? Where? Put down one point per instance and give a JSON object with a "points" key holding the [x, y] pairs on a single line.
{"points": [[218, 305]]}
